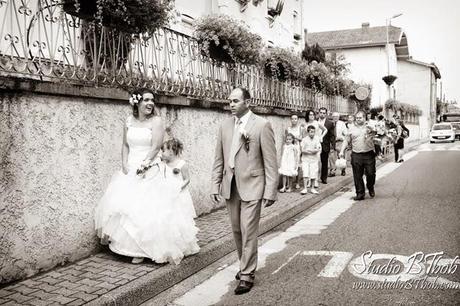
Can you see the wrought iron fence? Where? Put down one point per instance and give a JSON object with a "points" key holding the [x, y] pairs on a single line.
{"points": [[40, 41]]}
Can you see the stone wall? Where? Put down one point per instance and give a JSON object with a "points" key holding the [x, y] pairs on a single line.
{"points": [[57, 156]]}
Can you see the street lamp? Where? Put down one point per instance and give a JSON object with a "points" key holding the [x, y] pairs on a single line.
{"points": [[388, 23]]}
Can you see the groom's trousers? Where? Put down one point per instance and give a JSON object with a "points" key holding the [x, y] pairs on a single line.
{"points": [[245, 217]]}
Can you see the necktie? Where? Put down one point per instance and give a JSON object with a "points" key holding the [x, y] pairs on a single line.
{"points": [[235, 144]]}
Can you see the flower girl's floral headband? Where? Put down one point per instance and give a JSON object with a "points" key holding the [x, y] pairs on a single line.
{"points": [[135, 99]]}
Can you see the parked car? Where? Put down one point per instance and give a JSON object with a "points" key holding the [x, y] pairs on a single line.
{"points": [[442, 132], [456, 126]]}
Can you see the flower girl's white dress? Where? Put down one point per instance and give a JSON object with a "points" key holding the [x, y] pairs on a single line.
{"points": [[143, 217], [185, 198]]}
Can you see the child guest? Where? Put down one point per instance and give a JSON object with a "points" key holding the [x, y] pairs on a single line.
{"points": [[289, 162], [310, 147], [177, 170]]}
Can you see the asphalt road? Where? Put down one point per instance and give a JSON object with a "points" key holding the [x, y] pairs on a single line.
{"points": [[317, 259]]}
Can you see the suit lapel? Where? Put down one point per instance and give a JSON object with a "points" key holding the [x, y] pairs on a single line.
{"points": [[230, 129]]}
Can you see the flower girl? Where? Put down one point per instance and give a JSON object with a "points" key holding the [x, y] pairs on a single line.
{"points": [[289, 162], [177, 169]]}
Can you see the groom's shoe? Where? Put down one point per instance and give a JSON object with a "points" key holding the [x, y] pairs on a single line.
{"points": [[243, 287]]}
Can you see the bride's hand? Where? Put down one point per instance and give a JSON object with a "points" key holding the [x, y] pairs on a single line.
{"points": [[124, 169], [145, 163]]}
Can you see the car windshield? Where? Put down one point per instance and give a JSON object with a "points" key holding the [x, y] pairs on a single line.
{"points": [[441, 127]]}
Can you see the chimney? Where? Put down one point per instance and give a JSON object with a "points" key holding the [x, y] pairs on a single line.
{"points": [[365, 25]]}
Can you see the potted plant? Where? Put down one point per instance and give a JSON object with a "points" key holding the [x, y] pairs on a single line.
{"points": [[122, 19], [83, 9], [227, 40], [128, 16], [389, 79], [317, 78], [280, 63]]}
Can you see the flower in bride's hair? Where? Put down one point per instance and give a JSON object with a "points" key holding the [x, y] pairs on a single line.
{"points": [[134, 99]]}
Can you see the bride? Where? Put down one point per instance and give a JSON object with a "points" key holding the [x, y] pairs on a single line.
{"points": [[138, 215]]}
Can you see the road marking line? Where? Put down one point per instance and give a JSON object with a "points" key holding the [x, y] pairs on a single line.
{"points": [[288, 261], [336, 265]]}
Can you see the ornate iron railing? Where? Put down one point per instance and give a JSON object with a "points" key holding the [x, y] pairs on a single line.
{"points": [[40, 41]]}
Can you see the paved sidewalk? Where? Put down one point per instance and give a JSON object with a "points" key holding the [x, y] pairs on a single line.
{"points": [[109, 279]]}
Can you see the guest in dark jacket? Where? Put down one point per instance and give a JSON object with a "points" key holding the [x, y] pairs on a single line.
{"points": [[327, 143], [402, 132]]}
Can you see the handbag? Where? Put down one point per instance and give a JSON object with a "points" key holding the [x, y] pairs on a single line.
{"points": [[341, 163]]}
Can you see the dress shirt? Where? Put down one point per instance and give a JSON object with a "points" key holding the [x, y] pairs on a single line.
{"points": [[340, 130], [360, 138], [243, 120]]}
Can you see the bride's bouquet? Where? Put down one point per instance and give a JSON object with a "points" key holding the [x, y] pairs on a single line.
{"points": [[142, 170]]}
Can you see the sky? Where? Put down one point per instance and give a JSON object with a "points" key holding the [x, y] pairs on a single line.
{"points": [[432, 29]]}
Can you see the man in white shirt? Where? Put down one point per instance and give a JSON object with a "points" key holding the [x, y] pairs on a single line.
{"points": [[328, 143]]}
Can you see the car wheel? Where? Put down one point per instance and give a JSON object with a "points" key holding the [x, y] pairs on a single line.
{"points": [[431, 141]]}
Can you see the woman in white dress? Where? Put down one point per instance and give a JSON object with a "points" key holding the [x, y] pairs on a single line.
{"points": [[137, 215], [297, 130]]}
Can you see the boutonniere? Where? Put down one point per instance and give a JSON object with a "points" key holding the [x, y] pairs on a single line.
{"points": [[246, 139]]}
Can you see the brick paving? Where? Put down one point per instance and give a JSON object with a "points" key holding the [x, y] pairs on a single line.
{"points": [[87, 279]]}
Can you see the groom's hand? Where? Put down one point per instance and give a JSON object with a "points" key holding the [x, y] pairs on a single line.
{"points": [[267, 203], [215, 198]]}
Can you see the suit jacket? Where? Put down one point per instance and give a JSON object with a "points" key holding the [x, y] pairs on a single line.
{"points": [[329, 138], [256, 170]]}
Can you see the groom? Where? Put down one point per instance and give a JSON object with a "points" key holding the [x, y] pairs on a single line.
{"points": [[245, 174]]}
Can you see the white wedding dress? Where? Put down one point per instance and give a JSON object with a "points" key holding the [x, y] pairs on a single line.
{"points": [[143, 216]]}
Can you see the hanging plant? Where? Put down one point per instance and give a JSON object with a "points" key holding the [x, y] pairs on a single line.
{"points": [[128, 16], [280, 63], [227, 40], [318, 78], [389, 79]]}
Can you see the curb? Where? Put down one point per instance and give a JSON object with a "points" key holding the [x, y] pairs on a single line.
{"points": [[155, 282]]}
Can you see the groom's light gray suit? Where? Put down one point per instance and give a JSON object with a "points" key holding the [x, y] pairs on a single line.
{"points": [[253, 178]]}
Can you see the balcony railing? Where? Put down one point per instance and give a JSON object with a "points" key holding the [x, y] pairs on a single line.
{"points": [[40, 41]]}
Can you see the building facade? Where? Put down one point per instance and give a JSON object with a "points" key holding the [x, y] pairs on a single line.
{"points": [[417, 83], [369, 55], [375, 52], [278, 22]]}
